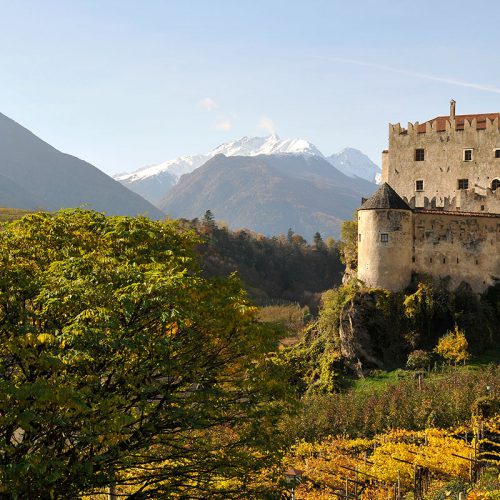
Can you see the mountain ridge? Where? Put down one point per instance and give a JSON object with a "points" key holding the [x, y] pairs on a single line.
{"points": [[154, 181], [33, 168], [269, 194]]}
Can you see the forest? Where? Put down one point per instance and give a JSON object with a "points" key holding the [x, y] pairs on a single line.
{"points": [[180, 359]]}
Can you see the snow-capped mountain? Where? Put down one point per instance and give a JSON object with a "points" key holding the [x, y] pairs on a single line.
{"points": [[353, 163], [154, 181]]}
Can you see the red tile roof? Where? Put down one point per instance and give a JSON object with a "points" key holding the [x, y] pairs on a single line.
{"points": [[459, 121]]}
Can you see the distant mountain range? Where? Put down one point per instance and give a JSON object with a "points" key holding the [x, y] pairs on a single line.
{"points": [[269, 194], [261, 183], [153, 182], [33, 174]]}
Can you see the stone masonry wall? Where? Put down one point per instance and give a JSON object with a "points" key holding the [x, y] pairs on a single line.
{"points": [[463, 247], [443, 165]]}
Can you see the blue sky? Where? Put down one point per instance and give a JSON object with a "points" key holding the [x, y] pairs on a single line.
{"points": [[124, 83]]}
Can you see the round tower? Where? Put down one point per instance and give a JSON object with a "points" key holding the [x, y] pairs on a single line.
{"points": [[385, 240]]}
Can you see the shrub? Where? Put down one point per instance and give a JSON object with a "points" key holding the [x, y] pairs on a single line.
{"points": [[453, 347], [419, 360]]}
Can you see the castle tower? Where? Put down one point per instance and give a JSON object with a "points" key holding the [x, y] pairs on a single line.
{"points": [[385, 240], [453, 108]]}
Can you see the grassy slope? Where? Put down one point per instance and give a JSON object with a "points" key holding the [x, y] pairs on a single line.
{"points": [[7, 214], [381, 379]]}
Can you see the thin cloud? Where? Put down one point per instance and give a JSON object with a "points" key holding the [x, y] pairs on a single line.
{"points": [[208, 104], [265, 123], [224, 125], [425, 76]]}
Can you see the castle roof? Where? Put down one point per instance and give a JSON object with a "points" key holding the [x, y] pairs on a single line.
{"points": [[440, 121], [385, 197]]}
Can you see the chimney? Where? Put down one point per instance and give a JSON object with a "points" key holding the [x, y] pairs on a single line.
{"points": [[452, 109]]}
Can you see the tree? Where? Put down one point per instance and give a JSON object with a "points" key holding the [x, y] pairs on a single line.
{"points": [[453, 346], [349, 243], [289, 235], [318, 241], [121, 364], [208, 218], [419, 360]]}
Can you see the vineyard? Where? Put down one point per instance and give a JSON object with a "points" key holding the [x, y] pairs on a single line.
{"points": [[400, 464]]}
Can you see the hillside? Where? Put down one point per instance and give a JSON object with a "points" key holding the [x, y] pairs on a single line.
{"points": [[273, 270], [269, 194], [33, 174], [10, 214], [154, 181]]}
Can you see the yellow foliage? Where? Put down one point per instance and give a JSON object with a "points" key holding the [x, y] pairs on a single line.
{"points": [[327, 464], [453, 347]]}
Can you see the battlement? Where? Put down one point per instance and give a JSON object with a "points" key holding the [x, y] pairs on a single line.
{"points": [[439, 211], [450, 162], [488, 122]]}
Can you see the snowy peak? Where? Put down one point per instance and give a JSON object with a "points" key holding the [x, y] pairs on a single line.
{"points": [[271, 145], [353, 163], [154, 181], [170, 169], [246, 146]]}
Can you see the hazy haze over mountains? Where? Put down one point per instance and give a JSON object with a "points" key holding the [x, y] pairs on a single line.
{"points": [[33, 174], [269, 193], [261, 183], [154, 181]]}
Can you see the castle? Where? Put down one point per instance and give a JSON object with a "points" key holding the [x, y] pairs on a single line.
{"points": [[437, 211]]}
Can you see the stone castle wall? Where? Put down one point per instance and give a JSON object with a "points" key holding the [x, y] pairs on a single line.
{"points": [[461, 247], [444, 165], [386, 265]]}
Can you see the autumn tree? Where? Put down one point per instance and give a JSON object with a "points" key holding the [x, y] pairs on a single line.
{"points": [[348, 245], [120, 364], [453, 347]]}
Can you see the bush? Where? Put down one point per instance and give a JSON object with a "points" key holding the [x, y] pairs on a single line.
{"points": [[453, 347], [419, 360]]}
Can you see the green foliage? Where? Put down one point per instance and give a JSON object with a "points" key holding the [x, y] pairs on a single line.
{"points": [[332, 304], [121, 363], [451, 489], [315, 362], [445, 400], [419, 360], [273, 270], [378, 329], [349, 243]]}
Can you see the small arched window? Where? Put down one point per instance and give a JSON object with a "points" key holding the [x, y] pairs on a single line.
{"points": [[495, 184]]}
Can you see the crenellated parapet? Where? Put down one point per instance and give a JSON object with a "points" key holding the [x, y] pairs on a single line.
{"points": [[439, 211], [448, 162]]}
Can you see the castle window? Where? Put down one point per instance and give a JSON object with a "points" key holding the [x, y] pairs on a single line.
{"points": [[359, 237], [463, 183], [384, 238], [495, 184], [444, 261], [419, 185], [497, 153], [468, 154], [419, 154]]}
